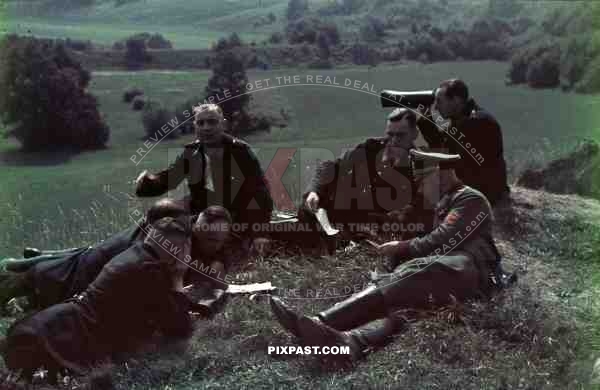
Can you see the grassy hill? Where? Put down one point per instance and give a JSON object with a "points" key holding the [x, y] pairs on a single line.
{"points": [[195, 24], [540, 334]]}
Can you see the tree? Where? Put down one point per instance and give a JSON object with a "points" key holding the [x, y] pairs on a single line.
{"points": [[296, 9], [136, 54], [229, 74], [43, 97], [154, 117]]}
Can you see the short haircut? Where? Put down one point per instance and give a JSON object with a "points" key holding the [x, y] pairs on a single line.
{"points": [[208, 107], [401, 113], [165, 207], [216, 213], [455, 87]]}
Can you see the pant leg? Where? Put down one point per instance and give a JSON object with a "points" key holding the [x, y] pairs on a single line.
{"points": [[417, 282]]}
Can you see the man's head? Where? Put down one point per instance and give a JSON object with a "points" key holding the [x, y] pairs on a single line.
{"points": [[434, 173], [172, 230], [208, 122], [400, 135], [451, 98], [212, 230]]}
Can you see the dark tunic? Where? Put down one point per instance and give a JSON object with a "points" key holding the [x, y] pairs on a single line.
{"points": [[478, 140], [54, 281], [239, 184], [130, 299], [358, 188]]}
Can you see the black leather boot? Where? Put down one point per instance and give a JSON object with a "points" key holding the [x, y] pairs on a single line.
{"points": [[285, 316], [359, 309], [378, 332], [313, 332], [31, 252], [34, 252]]}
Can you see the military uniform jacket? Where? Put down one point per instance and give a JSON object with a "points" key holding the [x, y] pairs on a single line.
{"points": [[360, 172], [478, 140], [463, 222], [239, 183], [131, 297]]}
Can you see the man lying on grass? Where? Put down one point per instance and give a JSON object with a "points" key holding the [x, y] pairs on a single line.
{"points": [[51, 278], [137, 293], [456, 259]]}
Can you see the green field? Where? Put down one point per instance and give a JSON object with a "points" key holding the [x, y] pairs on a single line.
{"points": [[189, 25], [40, 194]]}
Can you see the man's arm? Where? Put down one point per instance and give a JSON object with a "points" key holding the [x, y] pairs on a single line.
{"points": [[163, 181], [431, 133], [328, 172], [459, 225], [254, 187]]}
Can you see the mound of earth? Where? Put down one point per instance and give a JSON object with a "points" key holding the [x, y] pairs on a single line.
{"points": [[577, 173]]}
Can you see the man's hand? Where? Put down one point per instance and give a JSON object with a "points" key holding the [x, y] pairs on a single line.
{"points": [[141, 177], [394, 248], [312, 202]]}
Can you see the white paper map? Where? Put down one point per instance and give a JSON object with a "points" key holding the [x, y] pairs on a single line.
{"points": [[249, 288]]}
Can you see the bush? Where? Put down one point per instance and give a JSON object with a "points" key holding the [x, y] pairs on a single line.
{"points": [[136, 55], [521, 60], [425, 47], [43, 94], [372, 30], [155, 116], [362, 54], [229, 73], [296, 9], [131, 93], [329, 30], [321, 63], [575, 59], [138, 103], [392, 54], [544, 71], [590, 82], [303, 30], [78, 44], [276, 38], [184, 112], [157, 41], [228, 43]]}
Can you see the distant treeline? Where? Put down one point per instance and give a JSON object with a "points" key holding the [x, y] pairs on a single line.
{"points": [[564, 51]]}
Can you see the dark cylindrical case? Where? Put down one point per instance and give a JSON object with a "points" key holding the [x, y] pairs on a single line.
{"points": [[410, 99]]}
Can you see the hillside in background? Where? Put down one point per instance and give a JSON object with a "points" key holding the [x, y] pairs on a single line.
{"points": [[550, 43], [62, 18]]}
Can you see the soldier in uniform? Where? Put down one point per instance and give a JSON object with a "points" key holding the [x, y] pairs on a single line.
{"points": [[369, 181], [138, 292], [52, 278], [454, 259], [474, 134], [220, 170]]}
